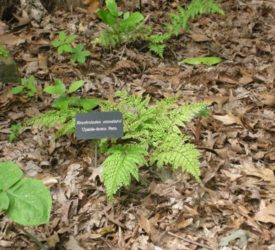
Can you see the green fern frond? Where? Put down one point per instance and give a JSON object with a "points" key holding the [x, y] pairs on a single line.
{"points": [[199, 7], [186, 112], [176, 152], [63, 118], [158, 49], [68, 128], [120, 165]]}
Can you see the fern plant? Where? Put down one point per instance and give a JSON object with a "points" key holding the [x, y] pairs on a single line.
{"points": [[153, 132], [121, 27], [63, 112], [179, 21]]}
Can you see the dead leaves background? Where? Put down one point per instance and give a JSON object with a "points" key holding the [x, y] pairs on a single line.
{"points": [[167, 210]]}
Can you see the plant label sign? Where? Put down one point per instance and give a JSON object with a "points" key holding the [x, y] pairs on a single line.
{"points": [[98, 125]]}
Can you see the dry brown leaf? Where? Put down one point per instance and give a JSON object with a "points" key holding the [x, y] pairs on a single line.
{"points": [[220, 100], [198, 37], [148, 227], [266, 214], [11, 40], [228, 119], [264, 173], [267, 98], [145, 224]]}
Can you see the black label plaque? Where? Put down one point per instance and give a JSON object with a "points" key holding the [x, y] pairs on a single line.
{"points": [[96, 125]]}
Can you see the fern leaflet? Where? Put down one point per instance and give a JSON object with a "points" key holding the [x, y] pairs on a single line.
{"points": [[120, 165]]}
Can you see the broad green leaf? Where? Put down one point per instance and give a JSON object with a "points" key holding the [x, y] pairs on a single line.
{"points": [[17, 90], [4, 201], [56, 43], [57, 89], [10, 173], [61, 103], [74, 101], [126, 15], [75, 86], [30, 84], [106, 17], [88, 104], [30, 202], [131, 22], [64, 48], [112, 7], [202, 60]]}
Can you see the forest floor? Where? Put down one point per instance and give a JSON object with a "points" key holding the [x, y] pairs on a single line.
{"points": [[167, 210]]}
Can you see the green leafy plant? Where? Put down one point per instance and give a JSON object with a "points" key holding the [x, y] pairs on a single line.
{"points": [[128, 27], [79, 54], [25, 201], [121, 27], [179, 21], [64, 44], [3, 51], [14, 131], [65, 105], [153, 133], [27, 86], [202, 60]]}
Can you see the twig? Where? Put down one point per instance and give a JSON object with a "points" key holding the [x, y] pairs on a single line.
{"points": [[190, 241], [33, 238]]}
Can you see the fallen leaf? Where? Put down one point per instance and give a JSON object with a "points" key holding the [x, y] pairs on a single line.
{"points": [[228, 119], [267, 98], [266, 214], [11, 40], [198, 37]]}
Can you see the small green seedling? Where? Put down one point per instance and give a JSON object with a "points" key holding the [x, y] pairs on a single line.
{"points": [[64, 44], [24, 200], [3, 51], [79, 54], [202, 60], [14, 132], [65, 100], [121, 27], [65, 108], [27, 86]]}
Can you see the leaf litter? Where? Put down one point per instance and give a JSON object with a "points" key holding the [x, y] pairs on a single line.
{"points": [[236, 205]]}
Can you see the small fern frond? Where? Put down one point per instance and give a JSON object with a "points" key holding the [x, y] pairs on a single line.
{"points": [[68, 128], [175, 152], [199, 7], [185, 113], [158, 49], [120, 165], [63, 118]]}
